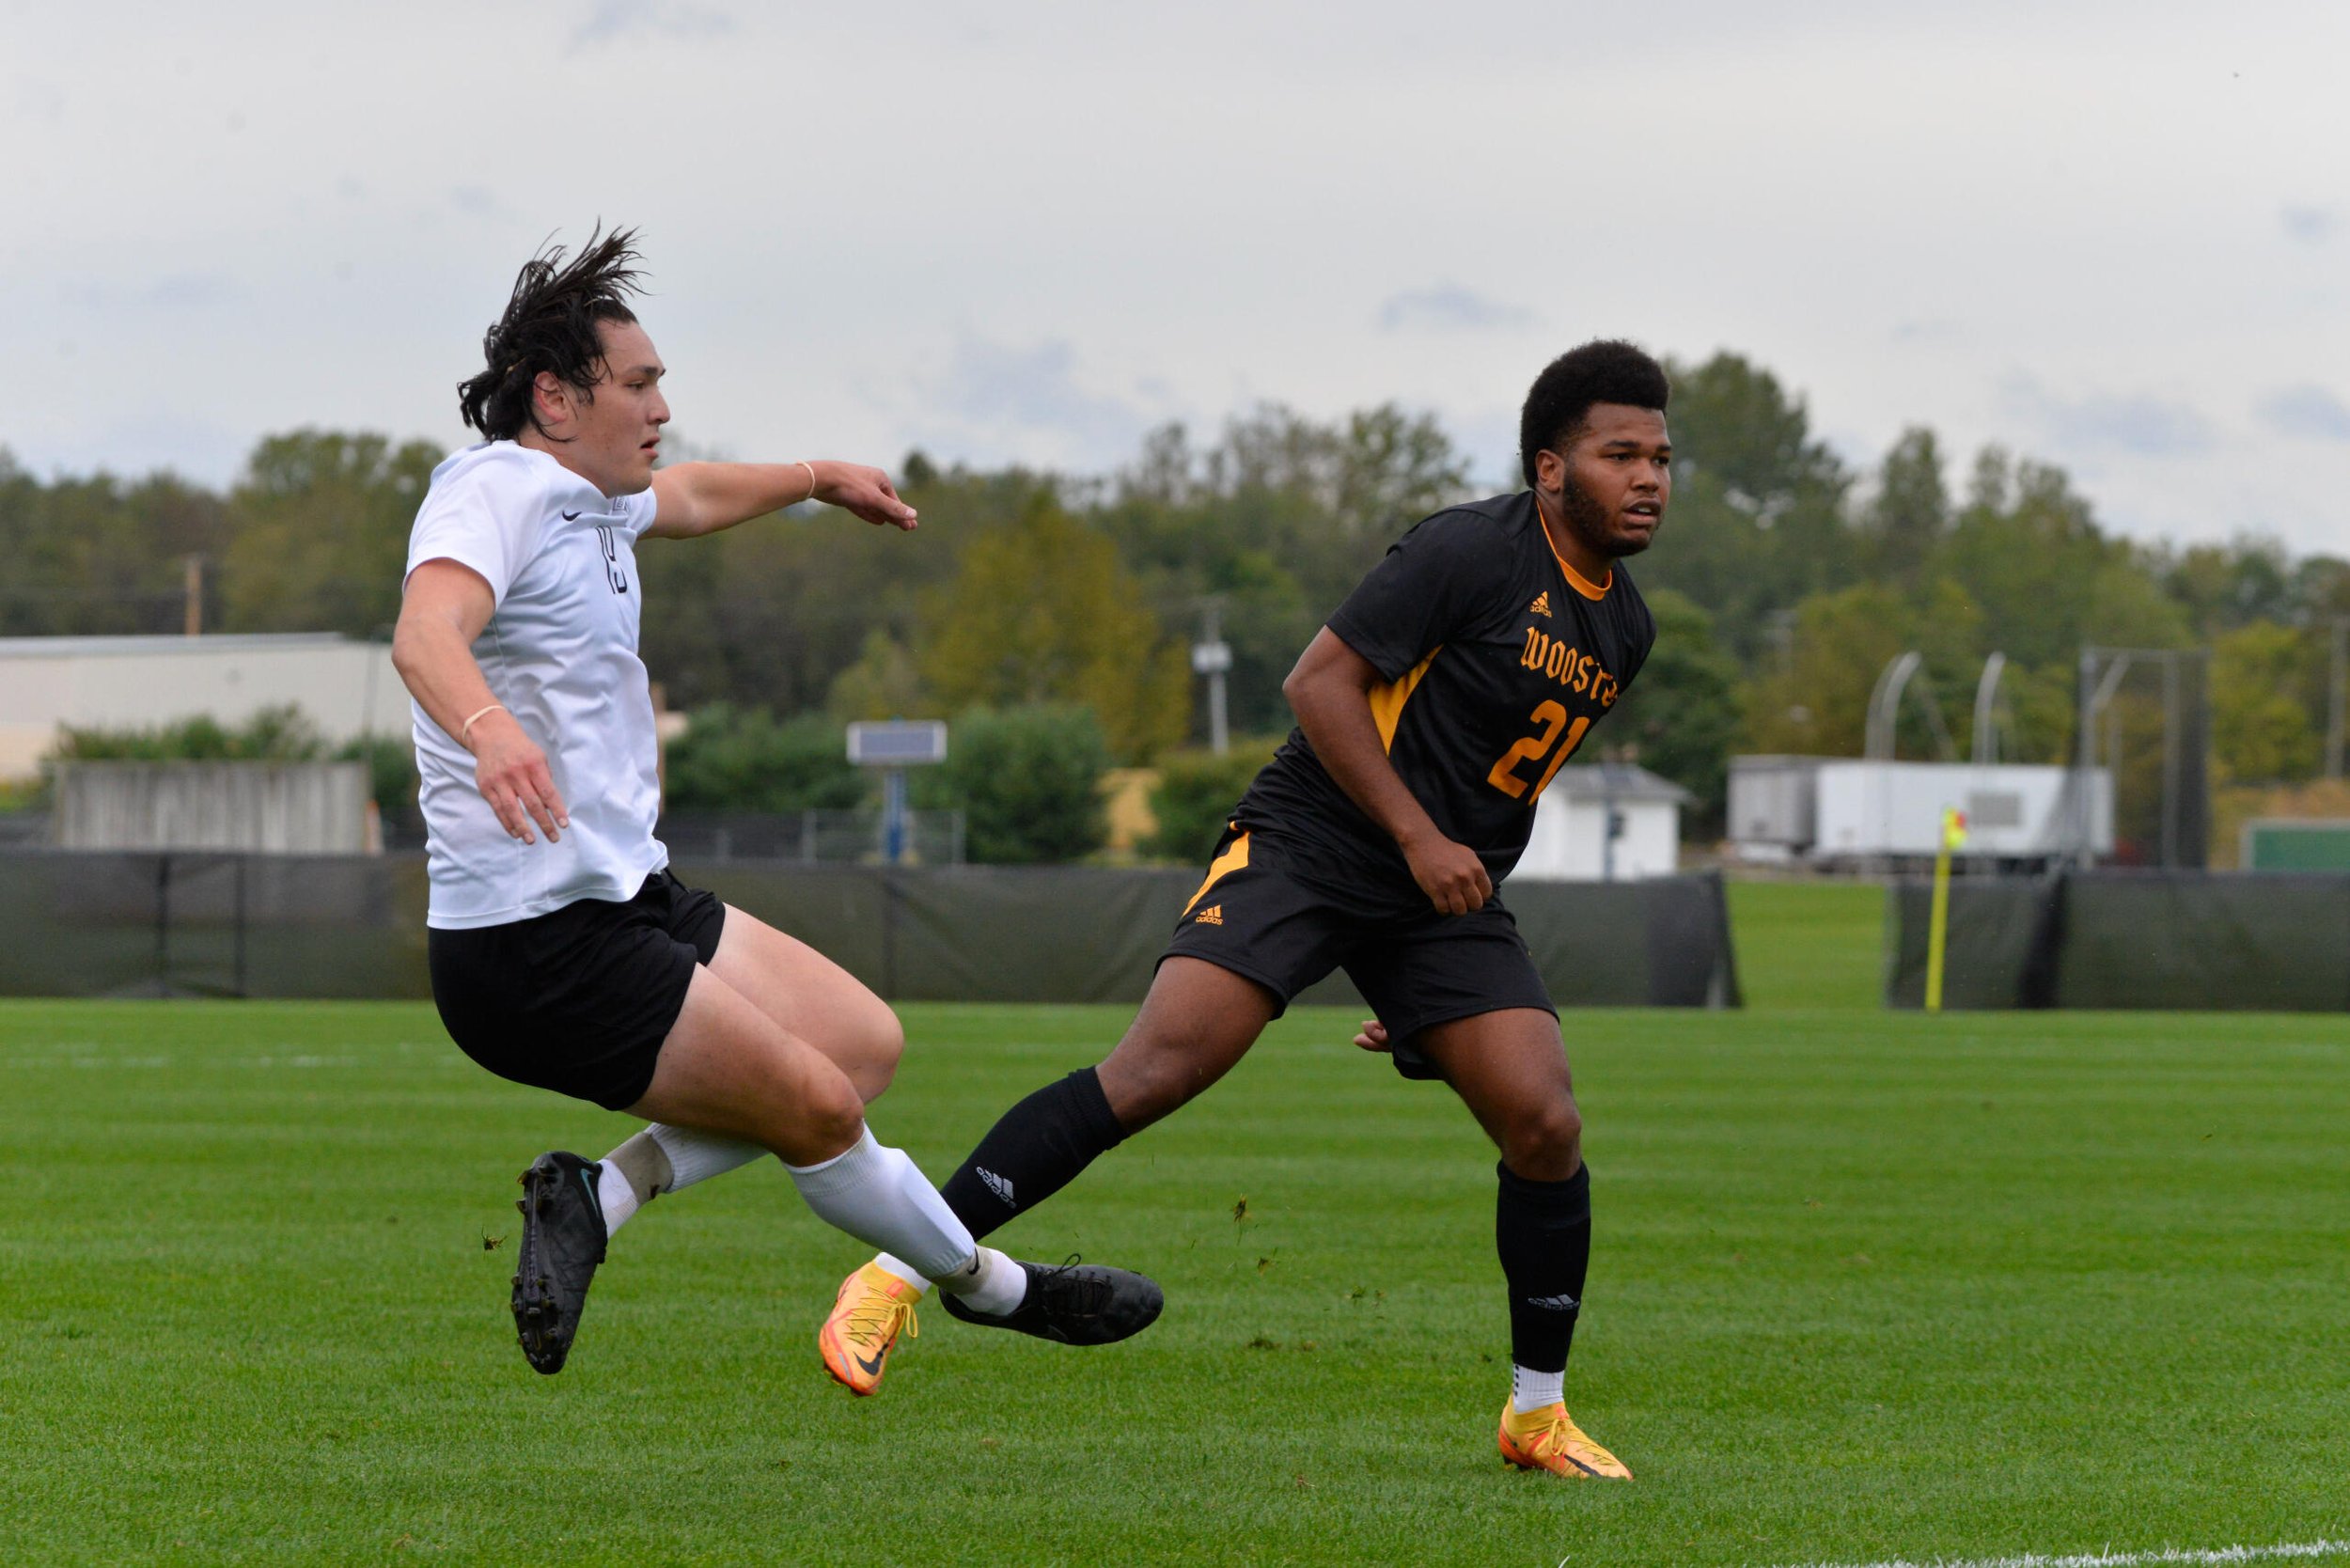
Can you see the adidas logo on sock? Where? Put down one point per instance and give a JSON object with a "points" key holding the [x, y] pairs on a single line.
{"points": [[997, 1186], [1548, 1303]]}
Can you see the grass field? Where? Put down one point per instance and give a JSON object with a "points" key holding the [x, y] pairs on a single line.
{"points": [[1868, 1286]]}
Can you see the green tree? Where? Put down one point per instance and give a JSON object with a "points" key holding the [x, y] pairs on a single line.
{"points": [[96, 555], [1681, 716], [1027, 781], [743, 759], [1041, 612], [318, 531], [1911, 510], [1757, 522], [1195, 795], [772, 613], [1274, 525], [1815, 699], [884, 683], [2224, 586], [2263, 729]]}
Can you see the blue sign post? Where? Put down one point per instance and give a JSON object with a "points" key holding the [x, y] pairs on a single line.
{"points": [[893, 746]]}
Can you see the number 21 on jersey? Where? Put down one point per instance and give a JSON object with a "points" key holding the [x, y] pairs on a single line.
{"points": [[1533, 748]]}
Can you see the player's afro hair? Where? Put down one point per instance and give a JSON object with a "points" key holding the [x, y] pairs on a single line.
{"points": [[550, 324], [1606, 370]]}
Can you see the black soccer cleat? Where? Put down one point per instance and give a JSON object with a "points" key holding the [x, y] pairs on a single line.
{"points": [[562, 1242], [1075, 1304]]}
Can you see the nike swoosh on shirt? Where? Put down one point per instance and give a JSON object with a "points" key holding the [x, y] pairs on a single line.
{"points": [[571, 517]]}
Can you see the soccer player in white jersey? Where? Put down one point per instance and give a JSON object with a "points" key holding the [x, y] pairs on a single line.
{"points": [[563, 953]]}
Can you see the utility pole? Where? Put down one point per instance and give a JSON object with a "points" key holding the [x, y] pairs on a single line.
{"points": [[2338, 688], [192, 586], [1212, 656]]}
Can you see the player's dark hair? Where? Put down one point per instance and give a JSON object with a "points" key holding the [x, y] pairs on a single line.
{"points": [[1606, 370], [551, 325]]}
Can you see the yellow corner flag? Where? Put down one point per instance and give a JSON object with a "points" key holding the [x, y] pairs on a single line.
{"points": [[1938, 928]]}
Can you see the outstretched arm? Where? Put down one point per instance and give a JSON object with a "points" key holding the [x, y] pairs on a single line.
{"points": [[703, 497], [1330, 692]]}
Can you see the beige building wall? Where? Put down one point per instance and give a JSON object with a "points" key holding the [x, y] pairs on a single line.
{"points": [[346, 688]]}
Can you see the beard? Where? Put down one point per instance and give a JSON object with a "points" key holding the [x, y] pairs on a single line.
{"points": [[1586, 520]]}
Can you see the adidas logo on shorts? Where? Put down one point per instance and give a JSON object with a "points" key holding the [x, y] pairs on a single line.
{"points": [[1212, 915], [997, 1186]]}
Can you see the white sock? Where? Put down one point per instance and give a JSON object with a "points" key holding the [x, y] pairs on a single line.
{"points": [[615, 1197], [993, 1284], [1531, 1391], [698, 1156], [880, 1196]]}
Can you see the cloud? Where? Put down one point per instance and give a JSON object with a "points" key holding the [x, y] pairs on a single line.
{"points": [[611, 20], [1012, 395], [2310, 225], [2307, 412], [1926, 329], [1450, 308], [478, 201], [2134, 423], [173, 291]]}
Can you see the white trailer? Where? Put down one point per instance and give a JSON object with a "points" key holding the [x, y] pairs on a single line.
{"points": [[1827, 810]]}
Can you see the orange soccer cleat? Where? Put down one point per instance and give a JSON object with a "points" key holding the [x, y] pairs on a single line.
{"points": [[871, 1309], [1548, 1440]]}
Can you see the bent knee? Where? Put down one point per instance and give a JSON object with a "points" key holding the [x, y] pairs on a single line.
{"points": [[883, 1044], [1544, 1142], [1142, 1086], [829, 1120]]}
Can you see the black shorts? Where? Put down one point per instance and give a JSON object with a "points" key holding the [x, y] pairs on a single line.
{"points": [[1417, 968], [578, 1000]]}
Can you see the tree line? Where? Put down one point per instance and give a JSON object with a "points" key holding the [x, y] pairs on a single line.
{"points": [[1783, 582]]}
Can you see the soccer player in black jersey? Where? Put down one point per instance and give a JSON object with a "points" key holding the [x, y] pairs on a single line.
{"points": [[1433, 711]]}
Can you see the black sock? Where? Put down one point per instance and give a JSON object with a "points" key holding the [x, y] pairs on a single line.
{"points": [[1036, 1149], [1543, 1230]]}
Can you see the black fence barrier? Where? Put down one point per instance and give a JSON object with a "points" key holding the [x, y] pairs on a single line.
{"points": [[284, 926], [2185, 940]]}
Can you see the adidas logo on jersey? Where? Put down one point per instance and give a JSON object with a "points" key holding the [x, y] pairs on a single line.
{"points": [[997, 1186], [1541, 604], [1548, 1303], [1212, 915]]}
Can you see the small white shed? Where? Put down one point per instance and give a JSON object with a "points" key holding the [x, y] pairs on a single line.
{"points": [[1610, 821]]}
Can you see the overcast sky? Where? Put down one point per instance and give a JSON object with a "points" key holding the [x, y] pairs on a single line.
{"points": [[2110, 235]]}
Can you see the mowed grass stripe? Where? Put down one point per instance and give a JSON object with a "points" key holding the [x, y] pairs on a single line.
{"points": [[1869, 1287]]}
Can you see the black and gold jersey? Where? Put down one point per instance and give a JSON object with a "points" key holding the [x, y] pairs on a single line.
{"points": [[1498, 657]]}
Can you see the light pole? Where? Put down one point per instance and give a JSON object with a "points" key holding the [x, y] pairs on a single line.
{"points": [[1212, 656]]}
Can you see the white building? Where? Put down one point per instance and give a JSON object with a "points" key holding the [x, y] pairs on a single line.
{"points": [[344, 687], [1612, 821]]}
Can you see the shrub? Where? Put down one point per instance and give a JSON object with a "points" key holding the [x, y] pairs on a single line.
{"points": [[391, 769], [1196, 793], [272, 735], [744, 760], [1028, 782]]}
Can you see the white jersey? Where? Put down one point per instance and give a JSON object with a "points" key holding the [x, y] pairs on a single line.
{"points": [[560, 653]]}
